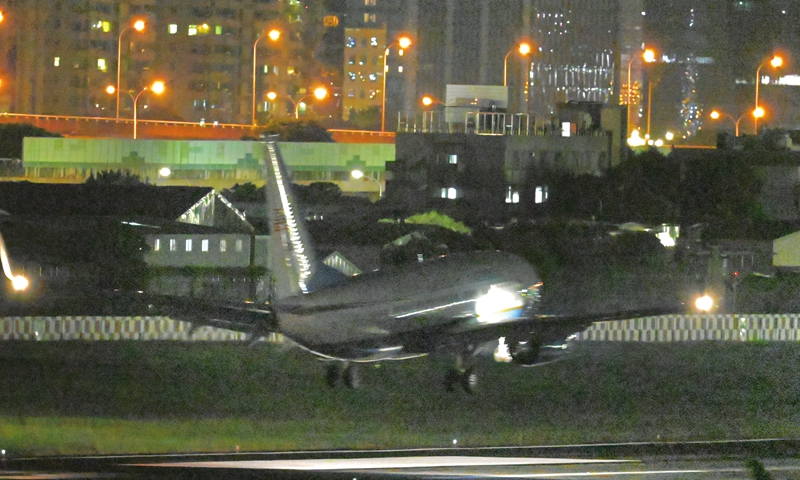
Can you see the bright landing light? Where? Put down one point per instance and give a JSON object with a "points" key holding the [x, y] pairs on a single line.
{"points": [[497, 304], [19, 283]]}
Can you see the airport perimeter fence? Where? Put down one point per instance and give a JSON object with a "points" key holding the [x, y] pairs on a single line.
{"points": [[665, 328]]}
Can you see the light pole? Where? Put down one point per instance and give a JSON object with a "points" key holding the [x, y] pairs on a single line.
{"points": [[157, 87], [757, 113], [359, 174], [273, 35], [403, 42], [776, 61], [319, 93], [524, 49], [649, 56], [138, 25]]}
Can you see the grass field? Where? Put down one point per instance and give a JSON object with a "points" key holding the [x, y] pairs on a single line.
{"points": [[137, 397]]}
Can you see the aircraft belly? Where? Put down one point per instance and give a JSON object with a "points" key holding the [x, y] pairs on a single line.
{"points": [[371, 323]]}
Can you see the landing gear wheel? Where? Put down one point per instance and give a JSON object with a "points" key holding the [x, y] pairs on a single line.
{"points": [[333, 373], [352, 376], [467, 379]]}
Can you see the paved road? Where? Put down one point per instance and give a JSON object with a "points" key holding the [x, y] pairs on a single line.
{"points": [[714, 460]]}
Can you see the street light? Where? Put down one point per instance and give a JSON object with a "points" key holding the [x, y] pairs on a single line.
{"points": [[403, 42], [776, 61], [359, 174], [648, 55], [757, 113], [429, 100], [319, 93], [138, 25], [157, 87], [524, 49], [273, 35]]}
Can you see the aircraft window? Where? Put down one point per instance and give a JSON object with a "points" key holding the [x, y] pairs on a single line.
{"points": [[188, 244], [223, 245]]}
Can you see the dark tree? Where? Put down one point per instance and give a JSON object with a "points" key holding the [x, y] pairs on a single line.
{"points": [[12, 135], [246, 192], [297, 131], [110, 177]]}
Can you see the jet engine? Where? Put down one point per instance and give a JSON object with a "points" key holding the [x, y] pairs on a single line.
{"points": [[530, 353]]}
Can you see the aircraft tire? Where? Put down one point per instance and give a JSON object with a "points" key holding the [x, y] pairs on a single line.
{"points": [[333, 373], [352, 376], [469, 380]]}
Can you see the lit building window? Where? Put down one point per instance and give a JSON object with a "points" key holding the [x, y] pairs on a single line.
{"points": [[173, 28], [351, 42], [173, 245], [266, 69], [290, 70], [101, 64], [204, 245], [373, 41], [223, 245], [157, 245], [370, 3], [512, 195], [239, 245], [370, 18], [373, 77], [56, 61], [188, 244], [218, 30], [192, 30], [452, 159], [541, 194], [400, 69]]}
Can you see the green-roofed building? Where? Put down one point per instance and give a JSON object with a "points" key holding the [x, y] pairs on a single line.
{"points": [[214, 163]]}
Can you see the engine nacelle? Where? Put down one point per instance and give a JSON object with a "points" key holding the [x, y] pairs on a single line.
{"points": [[530, 353]]}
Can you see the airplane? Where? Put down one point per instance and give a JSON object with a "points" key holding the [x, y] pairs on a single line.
{"points": [[458, 304]]}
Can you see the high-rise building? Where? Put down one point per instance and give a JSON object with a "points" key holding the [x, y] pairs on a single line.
{"points": [[61, 55]]}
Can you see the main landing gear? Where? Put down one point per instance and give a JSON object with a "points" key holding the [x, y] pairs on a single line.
{"points": [[348, 372], [461, 375]]}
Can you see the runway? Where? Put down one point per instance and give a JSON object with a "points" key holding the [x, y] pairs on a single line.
{"points": [[687, 461]]}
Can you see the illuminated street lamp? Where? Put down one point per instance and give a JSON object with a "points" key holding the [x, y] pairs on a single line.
{"points": [[273, 35], [359, 174], [524, 49], [757, 113], [403, 42], [649, 56], [429, 100], [139, 26], [319, 93], [775, 62], [157, 87]]}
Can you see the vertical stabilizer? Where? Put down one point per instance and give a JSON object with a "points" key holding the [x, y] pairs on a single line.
{"points": [[291, 258]]}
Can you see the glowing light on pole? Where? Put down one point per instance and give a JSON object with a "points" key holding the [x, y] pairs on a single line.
{"points": [[320, 93], [273, 35], [358, 175], [775, 62], [403, 42], [524, 49], [139, 26], [158, 88]]}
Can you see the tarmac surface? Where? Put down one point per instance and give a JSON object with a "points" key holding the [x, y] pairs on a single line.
{"points": [[714, 460]]}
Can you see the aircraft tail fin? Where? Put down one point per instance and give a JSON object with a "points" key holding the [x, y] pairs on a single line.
{"points": [[292, 261]]}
